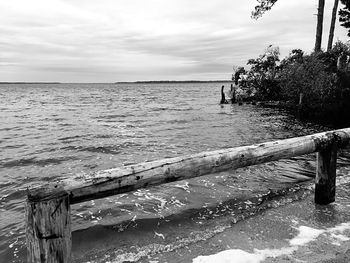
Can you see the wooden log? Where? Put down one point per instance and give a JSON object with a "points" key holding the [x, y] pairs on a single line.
{"points": [[48, 229], [326, 174], [129, 178]]}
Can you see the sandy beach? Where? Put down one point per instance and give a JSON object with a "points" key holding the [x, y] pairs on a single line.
{"points": [[296, 232]]}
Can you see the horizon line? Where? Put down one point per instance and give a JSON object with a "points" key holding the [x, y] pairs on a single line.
{"points": [[114, 82]]}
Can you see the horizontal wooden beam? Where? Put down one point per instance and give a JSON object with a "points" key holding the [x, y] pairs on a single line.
{"points": [[129, 178]]}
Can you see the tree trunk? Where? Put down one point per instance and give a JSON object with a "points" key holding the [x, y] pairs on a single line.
{"points": [[331, 30], [319, 27]]}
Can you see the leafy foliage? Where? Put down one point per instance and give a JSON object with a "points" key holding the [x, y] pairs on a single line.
{"points": [[325, 88], [315, 75], [238, 72], [344, 15], [261, 80], [309, 76], [264, 5]]}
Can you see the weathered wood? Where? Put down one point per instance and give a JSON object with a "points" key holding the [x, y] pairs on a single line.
{"points": [[48, 229], [129, 178], [301, 95], [326, 174]]}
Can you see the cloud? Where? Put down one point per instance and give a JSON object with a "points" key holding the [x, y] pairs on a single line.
{"points": [[106, 41]]}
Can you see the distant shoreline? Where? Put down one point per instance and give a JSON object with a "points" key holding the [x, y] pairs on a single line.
{"points": [[123, 82], [171, 81], [23, 82]]}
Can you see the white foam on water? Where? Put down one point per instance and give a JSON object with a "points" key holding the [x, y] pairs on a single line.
{"points": [[185, 186], [340, 237], [340, 228], [158, 235], [156, 248], [232, 255], [306, 235], [241, 256]]}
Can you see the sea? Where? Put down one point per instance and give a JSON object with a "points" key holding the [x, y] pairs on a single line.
{"points": [[53, 131]]}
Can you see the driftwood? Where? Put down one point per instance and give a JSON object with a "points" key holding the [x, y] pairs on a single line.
{"points": [[48, 229], [129, 178], [48, 215]]}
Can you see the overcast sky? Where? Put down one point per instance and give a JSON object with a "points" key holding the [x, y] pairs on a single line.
{"points": [[128, 40]]}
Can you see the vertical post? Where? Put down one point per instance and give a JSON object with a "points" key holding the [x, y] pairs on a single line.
{"points": [[48, 228], [301, 95], [326, 174]]}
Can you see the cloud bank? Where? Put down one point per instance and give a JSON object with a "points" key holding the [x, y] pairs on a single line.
{"points": [[128, 40]]}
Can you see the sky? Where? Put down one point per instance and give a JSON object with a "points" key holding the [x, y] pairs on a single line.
{"points": [[134, 40]]}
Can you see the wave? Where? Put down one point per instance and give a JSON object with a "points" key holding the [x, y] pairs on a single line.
{"points": [[110, 149], [163, 234], [160, 109], [70, 138], [181, 109], [15, 128], [15, 146], [114, 116], [178, 122], [100, 149], [104, 136], [36, 162]]}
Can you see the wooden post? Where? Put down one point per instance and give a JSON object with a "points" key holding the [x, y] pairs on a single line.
{"points": [[301, 95], [326, 174], [48, 229]]}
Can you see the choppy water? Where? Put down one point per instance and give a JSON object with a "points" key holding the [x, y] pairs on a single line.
{"points": [[59, 130]]}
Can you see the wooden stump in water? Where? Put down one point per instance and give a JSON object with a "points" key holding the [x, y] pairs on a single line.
{"points": [[326, 174], [48, 229]]}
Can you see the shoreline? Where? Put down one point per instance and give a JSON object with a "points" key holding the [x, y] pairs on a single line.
{"points": [[173, 81], [296, 232], [121, 82], [332, 115]]}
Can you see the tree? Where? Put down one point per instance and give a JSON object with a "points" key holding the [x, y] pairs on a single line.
{"points": [[308, 75], [265, 5], [261, 78], [344, 15], [331, 30], [296, 56], [319, 26], [238, 71]]}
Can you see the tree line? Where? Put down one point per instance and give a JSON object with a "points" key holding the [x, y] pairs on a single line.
{"points": [[316, 85], [344, 18]]}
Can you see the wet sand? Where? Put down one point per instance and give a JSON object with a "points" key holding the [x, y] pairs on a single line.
{"points": [[297, 232]]}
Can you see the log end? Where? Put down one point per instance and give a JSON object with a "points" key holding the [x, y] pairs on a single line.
{"points": [[46, 192]]}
